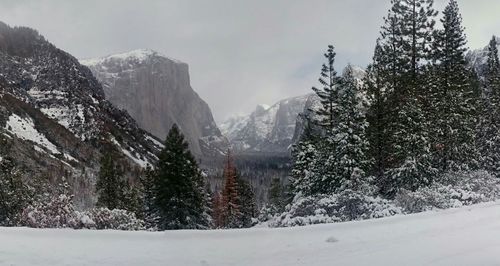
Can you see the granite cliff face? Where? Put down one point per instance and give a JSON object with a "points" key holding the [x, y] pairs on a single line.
{"points": [[155, 90], [267, 130]]}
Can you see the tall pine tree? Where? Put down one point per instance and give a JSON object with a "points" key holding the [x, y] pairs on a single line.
{"points": [[328, 94], [231, 209], [454, 100], [304, 155], [109, 184], [248, 207], [179, 201], [351, 145], [405, 48], [323, 179], [376, 88], [489, 129]]}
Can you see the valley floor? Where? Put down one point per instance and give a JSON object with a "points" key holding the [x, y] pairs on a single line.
{"points": [[466, 236]]}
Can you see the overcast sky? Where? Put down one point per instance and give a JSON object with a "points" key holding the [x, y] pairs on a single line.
{"points": [[240, 53]]}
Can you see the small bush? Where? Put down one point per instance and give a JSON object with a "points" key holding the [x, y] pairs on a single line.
{"points": [[117, 219], [58, 212], [452, 190], [348, 205]]}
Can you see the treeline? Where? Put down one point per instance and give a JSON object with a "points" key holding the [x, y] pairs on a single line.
{"points": [[419, 113], [175, 194]]}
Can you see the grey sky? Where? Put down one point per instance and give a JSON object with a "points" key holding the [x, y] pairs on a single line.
{"points": [[241, 53]]}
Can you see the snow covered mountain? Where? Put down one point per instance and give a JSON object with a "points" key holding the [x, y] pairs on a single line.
{"points": [[478, 59], [54, 119], [267, 129], [273, 129], [155, 90]]}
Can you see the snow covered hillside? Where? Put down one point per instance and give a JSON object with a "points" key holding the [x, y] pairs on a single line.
{"points": [[466, 236]]}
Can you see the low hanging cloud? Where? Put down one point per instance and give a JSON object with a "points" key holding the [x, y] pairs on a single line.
{"points": [[241, 53]]}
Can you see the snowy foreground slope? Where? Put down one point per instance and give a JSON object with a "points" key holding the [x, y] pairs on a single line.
{"points": [[466, 236]]}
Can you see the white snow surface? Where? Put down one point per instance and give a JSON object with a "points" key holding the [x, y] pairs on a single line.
{"points": [[141, 162], [24, 128], [465, 236]]}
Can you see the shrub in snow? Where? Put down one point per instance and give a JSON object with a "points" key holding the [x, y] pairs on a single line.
{"points": [[452, 190], [58, 212], [104, 218], [347, 205], [55, 212], [266, 213]]}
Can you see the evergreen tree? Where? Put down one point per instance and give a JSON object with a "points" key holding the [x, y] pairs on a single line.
{"points": [[149, 198], [109, 184], [328, 95], [377, 114], [351, 145], [131, 199], [454, 99], [489, 129], [178, 200], [492, 79], [231, 209], [338, 160], [323, 177], [248, 207], [405, 48], [416, 22], [217, 210], [411, 150], [277, 196], [304, 155]]}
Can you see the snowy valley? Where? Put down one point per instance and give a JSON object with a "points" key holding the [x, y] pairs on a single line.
{"points": [[465, 236], [118, 160]]}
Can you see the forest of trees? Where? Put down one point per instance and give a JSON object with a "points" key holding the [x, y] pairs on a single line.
{"points": [[175, 193], [419, 116], [420, 112]]}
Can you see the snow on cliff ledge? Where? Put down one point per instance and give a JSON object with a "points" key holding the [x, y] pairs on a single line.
{"points": [[138, 55]]}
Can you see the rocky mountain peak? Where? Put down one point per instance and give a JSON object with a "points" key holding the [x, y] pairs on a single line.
{"points": [[268, 129], [478, 59], [135, 56], [156, 91]]}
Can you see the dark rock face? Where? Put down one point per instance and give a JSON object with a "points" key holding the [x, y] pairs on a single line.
{"points": [[156, 92], [56, 120]]}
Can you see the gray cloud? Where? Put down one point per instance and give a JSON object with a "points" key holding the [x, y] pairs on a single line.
{"points": [[240, 53]]}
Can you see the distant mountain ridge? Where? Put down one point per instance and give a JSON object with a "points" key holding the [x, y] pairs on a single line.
{"points": [[478, 59], [266, 129]]}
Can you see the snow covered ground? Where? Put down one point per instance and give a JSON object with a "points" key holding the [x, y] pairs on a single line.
{"points": [[466, 236]]}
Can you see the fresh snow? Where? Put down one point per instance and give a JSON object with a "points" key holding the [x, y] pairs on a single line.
{"points": [[466, 236], [156, 142], [66, 116], [142, 163], [24, 128], [140, 55]]}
